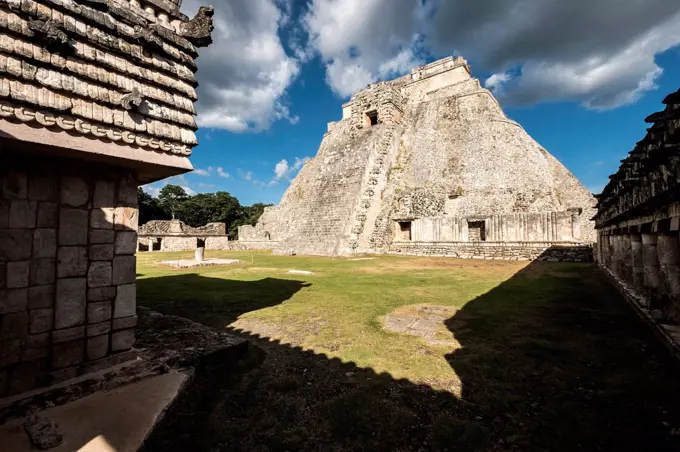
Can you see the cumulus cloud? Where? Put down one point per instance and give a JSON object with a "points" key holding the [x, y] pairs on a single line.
{"points": [[600, 53], [244, 75], [361, 41], [202, 172], [222, 173], [283, 170]]}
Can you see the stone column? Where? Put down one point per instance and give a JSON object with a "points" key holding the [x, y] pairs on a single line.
{"points": [[151, 242], [636, 260], [626, 258], [199, 254], [650, 261], [669, 259]]}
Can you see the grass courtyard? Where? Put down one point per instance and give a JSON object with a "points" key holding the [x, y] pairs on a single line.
{"points": [[540, 356]]}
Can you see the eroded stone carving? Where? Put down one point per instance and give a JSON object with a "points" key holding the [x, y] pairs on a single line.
{"points": [[199, 29], [51, 33], [134, 99]]}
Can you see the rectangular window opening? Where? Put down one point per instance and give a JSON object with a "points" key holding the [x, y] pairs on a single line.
{"points": [[372, 117]]}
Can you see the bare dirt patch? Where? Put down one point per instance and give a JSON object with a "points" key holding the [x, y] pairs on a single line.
{"points": [[426, 321]]}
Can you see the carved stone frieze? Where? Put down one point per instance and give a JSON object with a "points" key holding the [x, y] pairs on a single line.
{"points": [[199, 29]]}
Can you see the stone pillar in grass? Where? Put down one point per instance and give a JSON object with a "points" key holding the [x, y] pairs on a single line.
{"points": [[199, 254]]}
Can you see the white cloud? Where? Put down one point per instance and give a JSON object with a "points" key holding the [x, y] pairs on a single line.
{"points": [[222, 173], [362, 41], [202, 172], [496, 82], [245, 175], [244, 74], [150, 189], [283, 170]]}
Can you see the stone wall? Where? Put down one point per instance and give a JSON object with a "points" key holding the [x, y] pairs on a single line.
{"points": [[522, 251], [67, 269], [638, 218]]}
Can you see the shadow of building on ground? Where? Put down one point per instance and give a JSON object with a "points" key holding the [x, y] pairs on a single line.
{"points": [[551, 359]]}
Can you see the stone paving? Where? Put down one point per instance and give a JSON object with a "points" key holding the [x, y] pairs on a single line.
{"points": [[424, 321]]}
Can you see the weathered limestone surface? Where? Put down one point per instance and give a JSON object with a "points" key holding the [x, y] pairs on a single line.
{"points": [[432, 146], [638, 218], [174, 235]]}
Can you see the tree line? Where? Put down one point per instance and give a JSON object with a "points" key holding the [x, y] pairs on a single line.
{"points": [[173, 202]]}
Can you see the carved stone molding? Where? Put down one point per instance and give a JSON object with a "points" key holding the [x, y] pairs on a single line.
{"points": [[132, 100], [101, 131], [199, 29]]}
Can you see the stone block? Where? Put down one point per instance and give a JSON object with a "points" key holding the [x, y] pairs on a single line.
{"points": [[99, 236], [127, 191], [22, 214], [14, 326], [102, 218], [18, 274], [70, 302], [44, 243], [72, 227], [43, 271], [10, 352], [62, 375], [96, 366], [48, 215], [3, 275], [126, 301], [124, 357], [68, 354], [68, 334], [74, 191], [98, 312], [99, 274], [101, 252], [124, 270], [104, 194], [41, 297], [42, 188], [124, 323], [13, 300], [4, 383], [4, 214], [15, 186], [101, 294], [34, 354], [126, 242], [98, 329], [668, 249], [71, 261], [97, 347], [126, 219], [15, 244], [38, 340], [41, 320], [23, 378], [122, 340]]}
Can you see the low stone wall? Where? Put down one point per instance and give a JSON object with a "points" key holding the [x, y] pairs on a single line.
{"points": [[549, 251], [242, 245], [217, 243]]}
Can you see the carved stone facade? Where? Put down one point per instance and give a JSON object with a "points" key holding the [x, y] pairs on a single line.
{"points": [[638, 218], [430, 153], [96, 98], [174, 235]]}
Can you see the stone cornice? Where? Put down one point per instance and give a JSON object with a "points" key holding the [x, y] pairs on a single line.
{"points": [[72, 124]]}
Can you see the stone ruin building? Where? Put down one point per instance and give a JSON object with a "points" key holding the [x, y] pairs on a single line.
{"points": [[428, 164], [174, 235], [96, 98], [638, 219]]}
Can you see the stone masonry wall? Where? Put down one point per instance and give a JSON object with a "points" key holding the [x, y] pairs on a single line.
{"points": [[67, 269], [517, 251]]}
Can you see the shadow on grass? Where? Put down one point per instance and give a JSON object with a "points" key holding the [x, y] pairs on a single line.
{"points": [[551, 359]]}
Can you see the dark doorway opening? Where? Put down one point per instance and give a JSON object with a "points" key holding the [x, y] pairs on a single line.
{"points": [[476, 231], [200, 243], [404, 231], [372, 118], [156, 244]]}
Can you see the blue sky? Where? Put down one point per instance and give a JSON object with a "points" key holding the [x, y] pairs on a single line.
{"points": [[280, 70]]}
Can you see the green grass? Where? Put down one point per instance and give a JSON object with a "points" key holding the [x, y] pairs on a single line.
{"points": [[548, 358]]}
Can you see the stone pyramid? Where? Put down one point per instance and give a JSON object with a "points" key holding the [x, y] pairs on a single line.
{"points": [[432, 146]]}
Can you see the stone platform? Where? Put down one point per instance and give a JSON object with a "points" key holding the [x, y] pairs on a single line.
{"points": [[192, 263], [168, 349]]}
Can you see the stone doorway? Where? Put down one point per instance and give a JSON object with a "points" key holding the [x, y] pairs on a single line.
{"points": [[476, 231], [157, 245], [371, 118], [403, 231]]}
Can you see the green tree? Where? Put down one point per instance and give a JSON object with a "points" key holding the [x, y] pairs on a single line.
{"points": [[171, 199], [251, 214], [149, 208]]}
